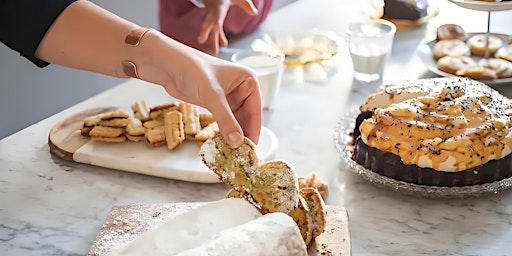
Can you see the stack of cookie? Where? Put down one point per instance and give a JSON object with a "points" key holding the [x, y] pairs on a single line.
{"points": [[108, 127], [270, 186], [166, 124]]}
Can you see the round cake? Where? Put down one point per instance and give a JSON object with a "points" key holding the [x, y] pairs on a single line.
{"points": [[436, 132]]}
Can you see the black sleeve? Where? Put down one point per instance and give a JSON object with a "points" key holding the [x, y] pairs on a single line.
{"points": [[23, 24]]}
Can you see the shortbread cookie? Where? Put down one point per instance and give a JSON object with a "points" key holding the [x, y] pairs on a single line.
{"points": [[106, 132], [85, 130], [134, 130], [174, 134], [205, 119], [155, 136], [104, 117], [157, 112], [153, 123], [141, 111], [108, 139], [114, 122], [207, 132], [135, 137], [316, 208], [190, 118], [271, 187], [135, 127]]}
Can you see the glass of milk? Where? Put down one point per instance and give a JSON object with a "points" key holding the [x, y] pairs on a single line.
{"points": [[268, 66], [370, 44]]}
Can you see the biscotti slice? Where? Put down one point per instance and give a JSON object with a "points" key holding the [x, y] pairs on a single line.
{"points": [[271, 187], [301, 215], [234, 166], [275, 186], [316, 208]]}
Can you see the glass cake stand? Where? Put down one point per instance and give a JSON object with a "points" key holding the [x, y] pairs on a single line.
{"points": [[343, 140]]}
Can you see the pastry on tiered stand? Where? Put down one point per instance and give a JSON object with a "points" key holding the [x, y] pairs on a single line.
{"points": [[449, 132]]}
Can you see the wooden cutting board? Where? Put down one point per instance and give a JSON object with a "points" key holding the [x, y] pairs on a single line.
{"points": [[182, 163], [125, 222]]}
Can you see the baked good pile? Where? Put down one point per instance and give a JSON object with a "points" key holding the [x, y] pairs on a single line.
{"points": [[270, 186], [436, 132], [166, 124], [477, 56]]}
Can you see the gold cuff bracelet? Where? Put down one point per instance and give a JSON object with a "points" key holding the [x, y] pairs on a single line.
{"points": [[133, 39]]}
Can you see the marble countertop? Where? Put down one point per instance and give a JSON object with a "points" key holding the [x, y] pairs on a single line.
{"points": [[50, 206]]}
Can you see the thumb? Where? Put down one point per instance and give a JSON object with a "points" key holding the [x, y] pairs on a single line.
{"points": [[228, 125]]}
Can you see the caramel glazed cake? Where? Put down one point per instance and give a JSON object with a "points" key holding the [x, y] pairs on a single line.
{"points": [[436, 132]]}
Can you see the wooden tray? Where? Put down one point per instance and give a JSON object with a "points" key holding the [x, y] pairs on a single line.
{"points": [[182, 163], [125, 222]]}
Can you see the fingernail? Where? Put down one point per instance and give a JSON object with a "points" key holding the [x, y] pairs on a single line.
{"points": [[235, 139]]}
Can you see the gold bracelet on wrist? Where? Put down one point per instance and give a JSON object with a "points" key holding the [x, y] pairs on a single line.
{"points": [[133, 39]]}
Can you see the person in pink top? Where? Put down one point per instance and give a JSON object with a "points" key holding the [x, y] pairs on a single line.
{"points": [[206, 25]]}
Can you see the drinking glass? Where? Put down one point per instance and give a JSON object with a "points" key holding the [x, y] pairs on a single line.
{"points": [[370, 44]]}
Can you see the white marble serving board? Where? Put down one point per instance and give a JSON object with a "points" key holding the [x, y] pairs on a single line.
{"points": [[182, 163]]}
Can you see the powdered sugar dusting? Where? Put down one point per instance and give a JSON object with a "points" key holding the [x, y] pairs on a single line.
{"points": [[208, 151]]}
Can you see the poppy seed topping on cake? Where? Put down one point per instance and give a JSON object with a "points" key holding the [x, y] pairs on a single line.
{"points": [[442, 132]]}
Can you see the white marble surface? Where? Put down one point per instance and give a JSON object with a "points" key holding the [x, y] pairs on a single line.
{"points": [[49, 206]]}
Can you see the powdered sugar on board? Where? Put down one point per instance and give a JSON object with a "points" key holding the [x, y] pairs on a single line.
{"points": [[126, 222]]}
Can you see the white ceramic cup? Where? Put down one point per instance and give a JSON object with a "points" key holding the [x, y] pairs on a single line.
{"points": [[268, 66], [370, 44]]}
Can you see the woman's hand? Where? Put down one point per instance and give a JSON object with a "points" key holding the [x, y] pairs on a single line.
{"points": [[212, 29], [228, 90]]}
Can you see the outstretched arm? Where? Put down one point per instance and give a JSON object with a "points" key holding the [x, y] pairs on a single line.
{"points": [[87, 37]]}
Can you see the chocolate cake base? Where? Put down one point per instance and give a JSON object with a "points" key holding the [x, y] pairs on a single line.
{"points": [[391, 166]]}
